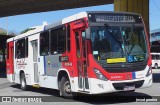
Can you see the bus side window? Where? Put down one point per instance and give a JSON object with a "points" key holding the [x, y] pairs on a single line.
{"points": [[153, 57], [58, 40], [20, 49], [26, 47], [83, 43], [44, 43], [53, 42], [158, 57], [68, 38]]}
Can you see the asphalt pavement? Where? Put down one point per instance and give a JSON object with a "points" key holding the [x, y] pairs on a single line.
{"points": [[147, 96]]}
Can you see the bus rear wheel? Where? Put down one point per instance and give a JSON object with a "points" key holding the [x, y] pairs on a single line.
{"points": [[23, 82], [156, 66], [65, 88]]}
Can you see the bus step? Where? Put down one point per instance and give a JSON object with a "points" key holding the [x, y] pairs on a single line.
{"points": [[87, 92], [36, 86]]}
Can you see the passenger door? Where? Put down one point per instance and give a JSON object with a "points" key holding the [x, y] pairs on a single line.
{"points": [[81, 53], [34, 60]]}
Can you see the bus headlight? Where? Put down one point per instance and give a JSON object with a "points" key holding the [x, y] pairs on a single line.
{"points": [[100, 75], [149, 72]]}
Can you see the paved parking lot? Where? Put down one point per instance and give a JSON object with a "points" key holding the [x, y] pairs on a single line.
{"points": [[8, 89]]}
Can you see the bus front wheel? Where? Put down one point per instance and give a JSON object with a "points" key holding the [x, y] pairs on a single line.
{"points": [[65, 87]]}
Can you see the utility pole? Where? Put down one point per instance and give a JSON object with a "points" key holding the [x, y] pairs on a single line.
{"points": [[7, 24]]}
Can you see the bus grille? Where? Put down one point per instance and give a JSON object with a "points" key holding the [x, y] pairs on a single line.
{"points": [[120, 86]]}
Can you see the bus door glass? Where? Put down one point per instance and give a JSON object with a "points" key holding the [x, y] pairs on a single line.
{"points": [[81, 60], [35, 49]]}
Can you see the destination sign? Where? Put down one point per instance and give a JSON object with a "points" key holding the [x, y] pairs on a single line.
{"points": [[114, 18], [104, 18]]}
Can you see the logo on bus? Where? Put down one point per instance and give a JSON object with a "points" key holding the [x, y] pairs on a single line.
{"points": [[20, 64], [128, 76], [116, 77]]}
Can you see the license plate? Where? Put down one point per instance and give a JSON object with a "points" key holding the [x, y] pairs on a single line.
{"points": [[128, 88]]}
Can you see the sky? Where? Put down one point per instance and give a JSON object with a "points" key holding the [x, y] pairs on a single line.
{"points": [[19, 23]]}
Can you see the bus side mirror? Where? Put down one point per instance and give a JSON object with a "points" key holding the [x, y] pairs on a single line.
{"points": [[88, 36]]}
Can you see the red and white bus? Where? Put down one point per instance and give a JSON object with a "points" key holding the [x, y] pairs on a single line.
{"points": [[89, 52]]}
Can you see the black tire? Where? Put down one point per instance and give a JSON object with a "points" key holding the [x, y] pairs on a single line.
{"points": [[65, 88], [156, 66], [59, 86], [23, 82]]}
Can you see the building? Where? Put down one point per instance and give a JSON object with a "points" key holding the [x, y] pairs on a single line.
{"points": [[155, 40]]}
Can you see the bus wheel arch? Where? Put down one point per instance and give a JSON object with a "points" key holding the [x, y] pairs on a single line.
{"points": [[23, 83], [156, 66], [64, 84]]}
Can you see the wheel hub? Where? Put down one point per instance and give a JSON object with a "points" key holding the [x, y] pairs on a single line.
{"points": [[23, 83], [67, 87]]}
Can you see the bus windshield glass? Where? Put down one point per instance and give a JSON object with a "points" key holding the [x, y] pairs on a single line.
{"points": [[119, 43]]}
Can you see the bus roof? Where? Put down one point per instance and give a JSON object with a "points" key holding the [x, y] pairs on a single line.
{"points": [[67, 20], [80, 16], [31, 32], [63, 21]]}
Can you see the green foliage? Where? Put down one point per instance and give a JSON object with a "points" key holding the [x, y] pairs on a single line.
{"points": [[26, 30], [3, 33]]}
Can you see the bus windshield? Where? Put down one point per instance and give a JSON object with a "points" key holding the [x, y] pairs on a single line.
{"points": [[117, 44]]}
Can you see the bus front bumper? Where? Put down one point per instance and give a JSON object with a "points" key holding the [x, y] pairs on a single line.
{"points": [[99, 86]]}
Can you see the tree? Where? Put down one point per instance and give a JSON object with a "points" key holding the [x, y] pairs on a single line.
{"points": [[13, 33], [26, 30], [3, 31]]}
